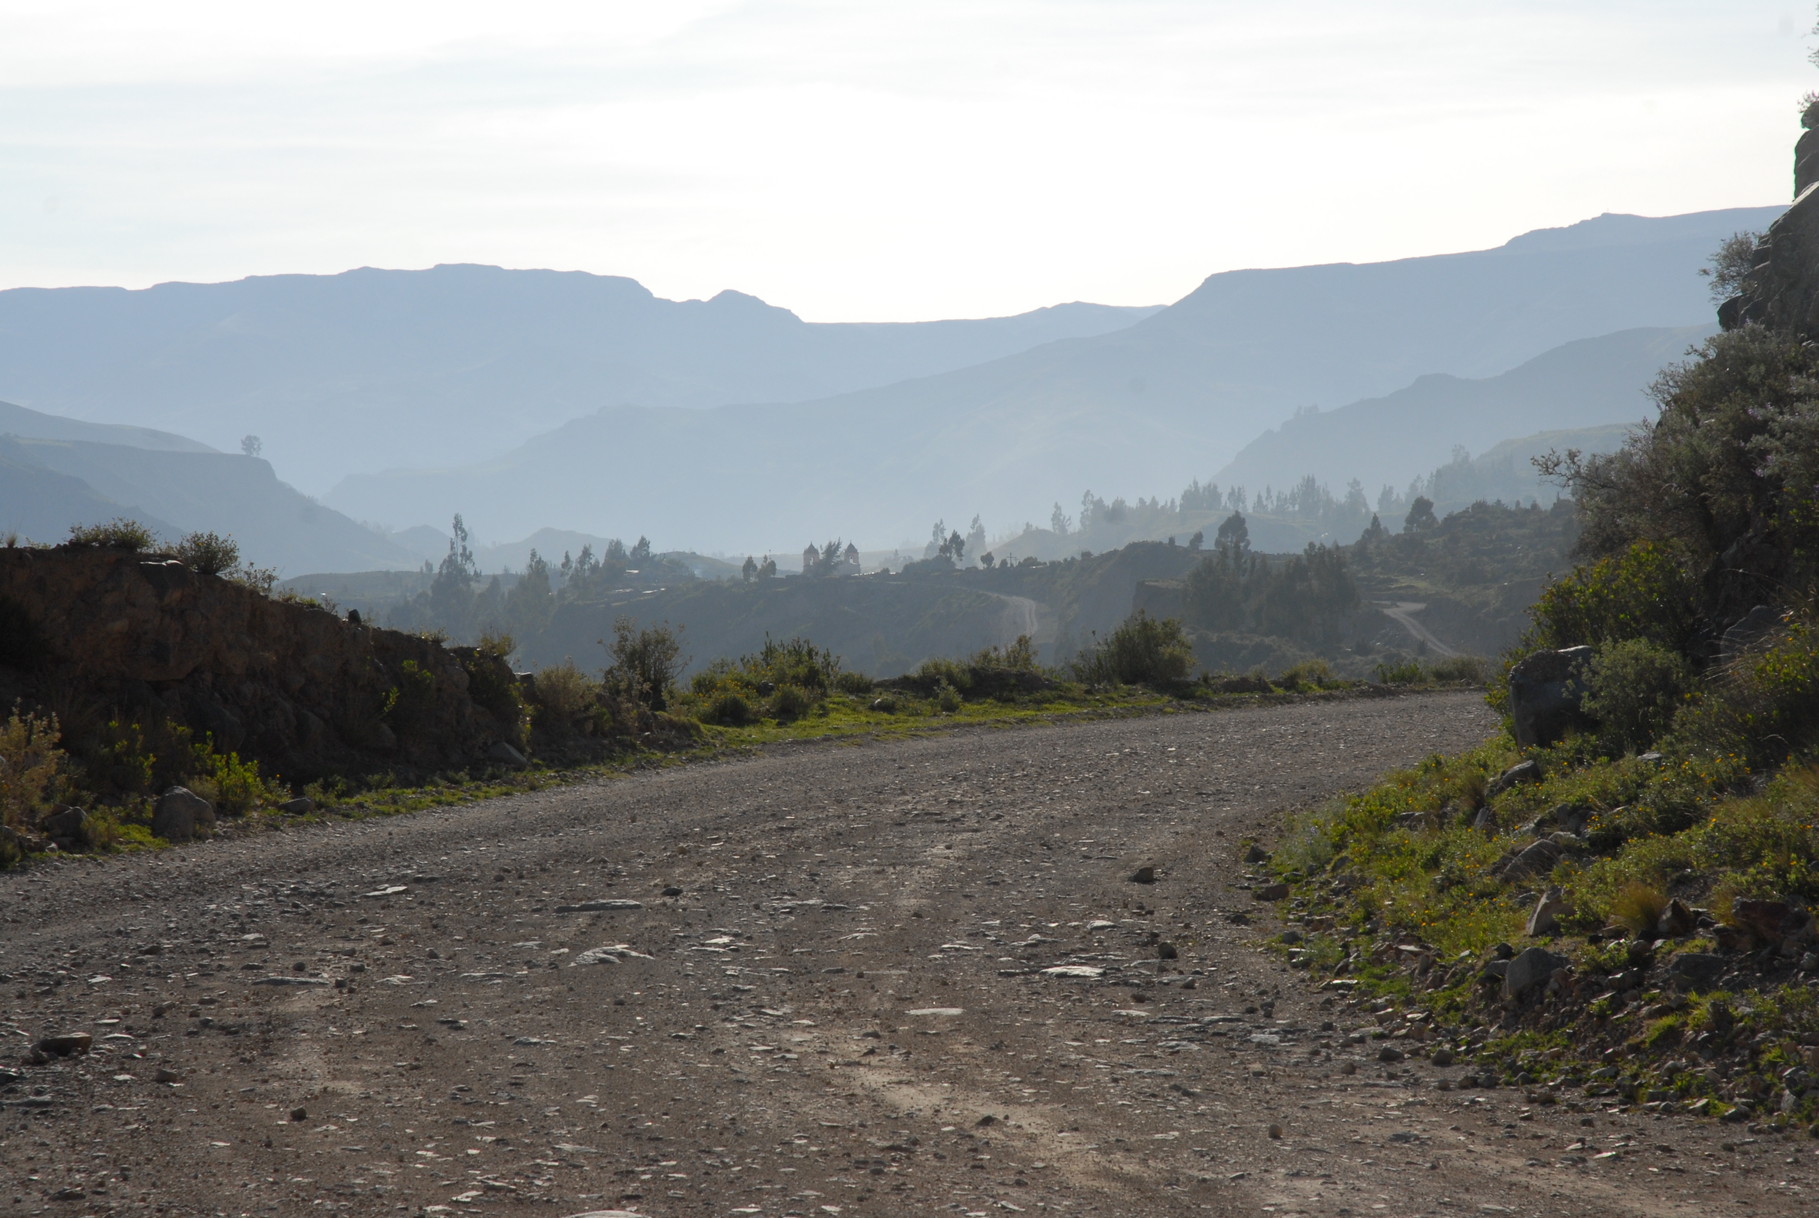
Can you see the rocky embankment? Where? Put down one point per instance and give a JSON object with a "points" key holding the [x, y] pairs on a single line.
{"points": [[94, 635]]}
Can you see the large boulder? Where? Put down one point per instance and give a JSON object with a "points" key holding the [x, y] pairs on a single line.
{"points": [[1547, 695], [1695, 970], [1531, 968], [68, 828], [181, 815]]}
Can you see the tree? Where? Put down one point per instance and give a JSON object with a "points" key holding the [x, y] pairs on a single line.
{"points": [[956, 548], [641, 551], [460, 561], [749, 570], [1234, 536], [987, 561], [528, 605], [975, 535], [1730, 265], [251, 445], [1059, 521], [767, 568], [1420, 515], [1197, 540], [615, 550], [936, 539]]}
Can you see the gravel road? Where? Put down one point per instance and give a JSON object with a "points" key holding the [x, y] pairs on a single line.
{"points": [[820, 981]]}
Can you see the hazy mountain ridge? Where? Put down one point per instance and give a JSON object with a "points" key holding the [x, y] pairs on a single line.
{"points": [[1146, 407], [372, 368], [37, 425], [50, 481], [1404, 435]]}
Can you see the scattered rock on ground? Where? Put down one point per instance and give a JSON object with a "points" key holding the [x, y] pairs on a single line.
{"points": [[181, 815], [1529, 969], [1545, 918]]}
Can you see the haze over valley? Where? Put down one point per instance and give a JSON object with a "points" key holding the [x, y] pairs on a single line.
{"points": [[527, 400]]}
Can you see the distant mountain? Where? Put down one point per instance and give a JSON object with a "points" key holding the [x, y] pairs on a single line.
{"points": [[56, 473], [1506, 472], [1130, 412], [1404, 435], [39, 504], [378, 368], [18, 421]]}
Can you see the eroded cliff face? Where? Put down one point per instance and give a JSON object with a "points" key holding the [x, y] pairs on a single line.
{"points": [[98, 633], [1782, 291]]}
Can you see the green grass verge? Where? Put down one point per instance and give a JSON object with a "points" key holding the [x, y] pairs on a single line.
{"points": [[1402, 896]]}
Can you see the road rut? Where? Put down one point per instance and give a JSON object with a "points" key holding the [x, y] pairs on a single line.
{"points": [[818, 981]]}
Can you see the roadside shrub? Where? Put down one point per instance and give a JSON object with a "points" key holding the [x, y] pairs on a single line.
{"points": [[1400, 672], [232, 785], [563, 690], [947, 698], [1470, 670], [729, 710], [1308, 675], [933, 673], [32, 773], [260, 579], [796, 661], [207, 553], [1642, 592], [1633, 689], [412, 701], [645, 663], [494, 686], [855, 683], [790, 702], [1764, 708], [1019, 656], [117, 534], [139, 756], [1142, 651]]}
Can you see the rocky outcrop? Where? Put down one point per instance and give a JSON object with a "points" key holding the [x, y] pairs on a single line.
{"points": [[1782, 291], [284, 682], [1547, 690]]}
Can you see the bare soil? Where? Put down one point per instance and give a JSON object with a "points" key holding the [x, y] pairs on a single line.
{"points": [[843, 1011]]}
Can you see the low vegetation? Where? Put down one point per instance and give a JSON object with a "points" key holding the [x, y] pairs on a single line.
{"points": [[1663, 858]]}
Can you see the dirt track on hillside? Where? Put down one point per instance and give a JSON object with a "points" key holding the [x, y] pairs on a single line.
{"points": [[843, 1011]]}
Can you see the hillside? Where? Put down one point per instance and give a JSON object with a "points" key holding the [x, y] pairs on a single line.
{"points": [[1406, 434], [61, 472], [1154, 404], [377, 368]]}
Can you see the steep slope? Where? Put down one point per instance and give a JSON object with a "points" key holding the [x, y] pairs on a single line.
{"points": [[1408, 433], [39, 504], [375, 368], [177, 492], [37, 425], [1137, 411]]}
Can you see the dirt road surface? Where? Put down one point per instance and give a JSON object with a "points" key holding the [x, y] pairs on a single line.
{"points": [[845, 1006]]}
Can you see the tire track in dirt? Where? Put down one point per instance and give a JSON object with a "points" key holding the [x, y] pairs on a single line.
{"points": [[778, 1035]]}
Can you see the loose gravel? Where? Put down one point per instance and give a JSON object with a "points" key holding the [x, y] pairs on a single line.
{"points": [[885, 978]]}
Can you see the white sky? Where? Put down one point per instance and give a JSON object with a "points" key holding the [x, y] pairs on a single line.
{"points": [[857, 160]]}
